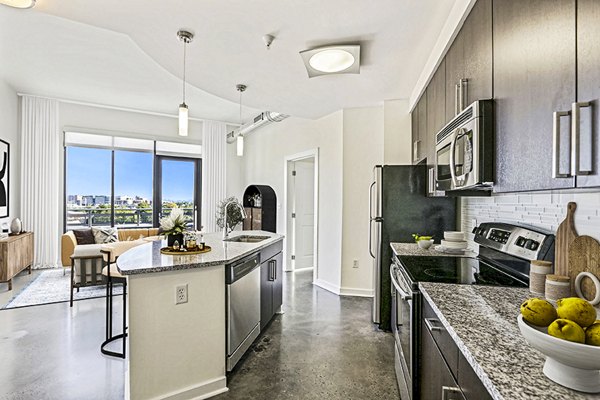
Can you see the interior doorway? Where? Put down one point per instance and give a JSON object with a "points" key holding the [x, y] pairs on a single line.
{"points": [[302, 211]]}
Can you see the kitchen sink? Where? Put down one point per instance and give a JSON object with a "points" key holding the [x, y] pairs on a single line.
{"points": [[247, 239]]}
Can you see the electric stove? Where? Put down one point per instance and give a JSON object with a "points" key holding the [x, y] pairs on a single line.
{"points": [[505, 253]]}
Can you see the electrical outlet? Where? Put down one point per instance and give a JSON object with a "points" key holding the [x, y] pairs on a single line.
{"points": [[474, 222], [181, 294], [355, 264]]}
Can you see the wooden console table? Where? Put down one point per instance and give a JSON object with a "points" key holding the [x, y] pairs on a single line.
{"points": [[16, 254]]}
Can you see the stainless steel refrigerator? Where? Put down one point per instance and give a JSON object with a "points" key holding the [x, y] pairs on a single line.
{"points": [[399, 207]]}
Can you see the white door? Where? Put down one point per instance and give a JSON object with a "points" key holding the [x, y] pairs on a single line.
{"points": [[304, 213]]}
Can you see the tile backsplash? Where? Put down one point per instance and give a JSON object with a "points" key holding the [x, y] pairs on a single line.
{"points": [[544, 210]]}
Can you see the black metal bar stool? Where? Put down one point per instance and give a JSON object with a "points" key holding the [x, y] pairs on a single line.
{"points": [[110, 254]]}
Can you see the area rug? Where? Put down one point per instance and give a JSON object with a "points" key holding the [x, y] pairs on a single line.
{"points": [[54, 286]]}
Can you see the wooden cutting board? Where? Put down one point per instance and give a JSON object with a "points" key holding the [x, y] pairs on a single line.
{"points": [[584, 255], [564, 236]]}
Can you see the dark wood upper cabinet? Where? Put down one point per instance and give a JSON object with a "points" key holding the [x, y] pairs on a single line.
{"points": [[534, 76], [419, 130], [436, 108], [588, 89], [455, 71], [470, 59]]}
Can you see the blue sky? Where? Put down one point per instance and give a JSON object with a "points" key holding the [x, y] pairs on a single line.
{"points": [[88, 173]]}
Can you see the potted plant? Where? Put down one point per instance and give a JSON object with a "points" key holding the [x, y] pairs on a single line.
{"points": [[234, 214], [173, 226]]}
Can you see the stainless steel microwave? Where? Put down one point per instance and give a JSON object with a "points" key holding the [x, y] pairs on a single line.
{"points": [[464, 151]]}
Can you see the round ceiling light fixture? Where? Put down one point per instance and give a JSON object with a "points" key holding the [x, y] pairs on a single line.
{"points": [[331, 60], [336, 59], [18, 3]]}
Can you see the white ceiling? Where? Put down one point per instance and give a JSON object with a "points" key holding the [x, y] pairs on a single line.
{"points": [[126, 53]]}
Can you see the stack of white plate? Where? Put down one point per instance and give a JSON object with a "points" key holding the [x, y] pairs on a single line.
{"points": [[454, 242]]}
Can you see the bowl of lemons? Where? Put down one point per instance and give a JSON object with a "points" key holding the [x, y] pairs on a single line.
{"points": [[569, 337]]}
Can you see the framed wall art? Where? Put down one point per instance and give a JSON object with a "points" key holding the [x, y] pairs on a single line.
{"points": [[4, 174]]}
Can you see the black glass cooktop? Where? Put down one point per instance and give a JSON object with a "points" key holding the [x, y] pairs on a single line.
{"points": [[460, 270]]}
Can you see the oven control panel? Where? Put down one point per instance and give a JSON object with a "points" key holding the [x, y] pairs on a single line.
{"points": [[523, 242]]}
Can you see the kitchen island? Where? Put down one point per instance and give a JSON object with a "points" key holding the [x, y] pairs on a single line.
{"points": [[178, 351]]}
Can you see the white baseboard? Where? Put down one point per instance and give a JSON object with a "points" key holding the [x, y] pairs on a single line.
{"points": [[203, 390], [327, 286], [358, 292]]}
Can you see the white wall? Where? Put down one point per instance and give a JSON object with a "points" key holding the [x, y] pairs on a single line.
{"points": [[264, 163], [363, 148], [104, 120], [397, 145], [9, 132]]}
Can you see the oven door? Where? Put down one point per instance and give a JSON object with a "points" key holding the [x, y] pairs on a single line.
{"points": [[402, 303]]}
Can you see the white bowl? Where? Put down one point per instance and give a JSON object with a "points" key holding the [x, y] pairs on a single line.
{"points": [[454, 245], [425, 244], [454, 236], [573, 365]]}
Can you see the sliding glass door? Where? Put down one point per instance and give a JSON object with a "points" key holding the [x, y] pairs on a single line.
{"points": [[178, 185]]}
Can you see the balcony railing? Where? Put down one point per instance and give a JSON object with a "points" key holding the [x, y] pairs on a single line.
{"points": [[81, 217]]}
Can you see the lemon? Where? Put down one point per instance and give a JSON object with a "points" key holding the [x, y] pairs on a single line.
{"points": [[538, 312]]}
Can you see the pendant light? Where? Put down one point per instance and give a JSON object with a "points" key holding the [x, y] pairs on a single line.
{"points": [[240, 138], [186, 37], [18, 3]]}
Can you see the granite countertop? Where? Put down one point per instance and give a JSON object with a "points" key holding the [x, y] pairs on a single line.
{"points": [[413, 249], [147, 258], [482, 320]]}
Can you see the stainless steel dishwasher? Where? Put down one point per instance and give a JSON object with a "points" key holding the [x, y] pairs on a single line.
{"points": [[243, 307]]}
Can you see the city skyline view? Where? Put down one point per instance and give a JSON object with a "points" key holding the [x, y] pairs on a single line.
{"points": [[89, 175]]}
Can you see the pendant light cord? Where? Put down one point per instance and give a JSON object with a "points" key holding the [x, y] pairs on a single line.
{"points": [[184, 54], [241, 91]]}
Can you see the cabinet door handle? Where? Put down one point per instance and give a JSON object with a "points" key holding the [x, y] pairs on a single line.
{"points": [[430, 326], [456, 100], [557, 115], [462, 93], [576, 140], [271, 270], [416, 149], [448, 391]]}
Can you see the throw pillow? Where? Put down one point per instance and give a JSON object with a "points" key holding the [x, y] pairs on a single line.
{"points": [[84, 236], [105, 235]]}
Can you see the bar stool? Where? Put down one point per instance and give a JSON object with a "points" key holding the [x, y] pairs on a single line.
{"points": [[110, 253]]}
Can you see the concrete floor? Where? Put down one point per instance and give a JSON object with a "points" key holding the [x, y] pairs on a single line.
{"points": [[18, 283], [323, 347]]}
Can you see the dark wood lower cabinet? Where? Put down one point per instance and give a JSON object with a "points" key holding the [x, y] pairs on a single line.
{"points": [[444, 373], [437, 381], [271, 286]]}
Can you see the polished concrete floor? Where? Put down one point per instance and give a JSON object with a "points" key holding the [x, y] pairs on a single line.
{"points": [[322, 347], [19, 282]]}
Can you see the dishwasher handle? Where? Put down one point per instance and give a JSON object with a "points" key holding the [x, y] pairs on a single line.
{"points": [[242, 268]]}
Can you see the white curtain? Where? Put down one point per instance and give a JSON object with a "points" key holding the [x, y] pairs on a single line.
{"points": [[214, 171], [40, 180]]}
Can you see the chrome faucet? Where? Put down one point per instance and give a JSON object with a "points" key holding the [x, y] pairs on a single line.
{"points": [[225, 230]]}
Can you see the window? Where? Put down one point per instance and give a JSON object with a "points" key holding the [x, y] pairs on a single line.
{"points": [[112, 181], [133, 188], [88, 187]]}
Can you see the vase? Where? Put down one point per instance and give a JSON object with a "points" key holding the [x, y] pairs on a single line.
{"points": [[172, 238], [15, 226]]}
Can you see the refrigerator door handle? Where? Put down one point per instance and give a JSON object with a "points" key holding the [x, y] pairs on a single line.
{"points": [[371, 219]]}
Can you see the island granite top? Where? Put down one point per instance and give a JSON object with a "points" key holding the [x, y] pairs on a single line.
{"points": [[482, 320], [413, 249], [147, 258]]}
